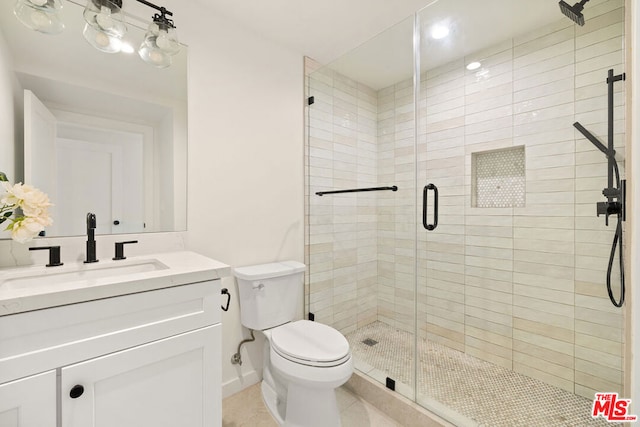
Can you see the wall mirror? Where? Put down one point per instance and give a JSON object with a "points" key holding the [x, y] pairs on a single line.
{"points": [[103, 132]]}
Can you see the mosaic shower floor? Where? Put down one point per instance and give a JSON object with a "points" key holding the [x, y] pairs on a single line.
{"points": [[482, 393]]}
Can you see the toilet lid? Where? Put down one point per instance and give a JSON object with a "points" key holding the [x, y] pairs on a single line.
{"points": [[310, 343]]}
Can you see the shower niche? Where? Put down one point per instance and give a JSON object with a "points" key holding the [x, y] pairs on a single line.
{"points": [[507, 296], [498, 178]]}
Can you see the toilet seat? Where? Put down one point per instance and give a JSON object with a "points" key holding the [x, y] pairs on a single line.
{"points": [[310, 343]]}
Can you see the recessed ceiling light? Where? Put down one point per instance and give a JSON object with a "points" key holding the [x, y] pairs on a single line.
{"points": [[439, 31], [473, 66]]}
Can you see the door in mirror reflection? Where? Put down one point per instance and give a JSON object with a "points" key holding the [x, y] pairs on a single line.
{"points": [[40, 127], [85, 168]]}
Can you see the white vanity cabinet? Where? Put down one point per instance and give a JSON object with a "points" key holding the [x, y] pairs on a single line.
{"points": [[29, 402], [145, 359]]}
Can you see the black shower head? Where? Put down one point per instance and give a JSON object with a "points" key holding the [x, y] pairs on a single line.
{"points": [[573, 12]]}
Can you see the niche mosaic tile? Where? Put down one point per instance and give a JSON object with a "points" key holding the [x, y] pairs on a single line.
{"points": [[499, 178]]}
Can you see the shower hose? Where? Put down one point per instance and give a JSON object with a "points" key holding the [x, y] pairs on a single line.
{"points": [[617, 242]]}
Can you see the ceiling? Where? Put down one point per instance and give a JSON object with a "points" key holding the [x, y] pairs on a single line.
{"points": [[321, 29], [376, 34], [327, 30]]}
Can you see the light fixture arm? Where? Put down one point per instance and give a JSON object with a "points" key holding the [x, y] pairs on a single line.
{"points": [[161, 9]]}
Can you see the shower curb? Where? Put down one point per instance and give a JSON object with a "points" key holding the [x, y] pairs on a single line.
{"points": [[402, 410]]}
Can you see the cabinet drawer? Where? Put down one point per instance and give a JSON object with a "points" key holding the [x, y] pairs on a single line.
{"points": [[39, 340]]}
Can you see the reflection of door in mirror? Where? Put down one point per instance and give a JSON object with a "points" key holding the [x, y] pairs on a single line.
{"points": [[40, 128], [87, 172], [89, 168]]}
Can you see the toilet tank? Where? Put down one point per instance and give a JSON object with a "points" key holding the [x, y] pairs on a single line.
{"points": [[270, 294]]}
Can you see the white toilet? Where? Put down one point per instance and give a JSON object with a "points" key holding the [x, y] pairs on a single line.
{"points": [[304, 361]]}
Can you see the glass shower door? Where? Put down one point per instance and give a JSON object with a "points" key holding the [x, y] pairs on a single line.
{"points": [[443, 180], [514, 323], [362, 243]]}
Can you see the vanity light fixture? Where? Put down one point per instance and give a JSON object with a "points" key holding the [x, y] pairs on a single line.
{"points": [[40, 15], [106, 26]]}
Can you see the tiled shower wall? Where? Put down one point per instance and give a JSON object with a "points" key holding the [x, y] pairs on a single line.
{"points": [[522, 287]]}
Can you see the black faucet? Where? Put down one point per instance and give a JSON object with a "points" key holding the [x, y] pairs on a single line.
{"points": [[91, 238]]}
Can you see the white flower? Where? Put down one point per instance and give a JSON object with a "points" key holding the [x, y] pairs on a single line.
{"points": [[34, 205], [25, 229], [25, 196]]}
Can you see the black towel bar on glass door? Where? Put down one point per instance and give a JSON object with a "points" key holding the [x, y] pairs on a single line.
{"points": [[357, 190]]}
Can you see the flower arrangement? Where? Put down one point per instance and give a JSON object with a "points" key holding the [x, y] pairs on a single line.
{"points": [[31, 209]]}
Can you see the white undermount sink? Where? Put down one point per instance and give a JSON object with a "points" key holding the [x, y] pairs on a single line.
{"points": [[28, 278]]}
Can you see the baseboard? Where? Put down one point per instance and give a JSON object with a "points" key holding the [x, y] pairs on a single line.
{"points": [[240, 383]]}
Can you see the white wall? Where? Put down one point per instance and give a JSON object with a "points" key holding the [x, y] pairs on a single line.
{"points": [[245, 181]]}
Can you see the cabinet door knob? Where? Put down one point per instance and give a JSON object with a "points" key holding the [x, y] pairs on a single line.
{"points": [[76, 391]]}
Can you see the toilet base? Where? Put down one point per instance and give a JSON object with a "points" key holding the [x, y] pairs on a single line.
{"points": [[273, 404], [311, 407], [304, 407]]}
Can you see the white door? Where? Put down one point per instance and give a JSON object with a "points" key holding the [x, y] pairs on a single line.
{"points": [[29, 402], [82, 176], [167, 383], [89, 180]]}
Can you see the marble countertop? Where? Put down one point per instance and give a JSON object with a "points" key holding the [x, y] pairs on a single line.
{"points": [[38, 287]]}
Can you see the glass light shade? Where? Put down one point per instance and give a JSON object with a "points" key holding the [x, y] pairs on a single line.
{"points": [[161, 36], [105, 24], [152, 54], [168, 41], [40, 15], [101, 40]]}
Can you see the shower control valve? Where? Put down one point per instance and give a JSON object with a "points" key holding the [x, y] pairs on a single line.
{"points": [[607, 209]]}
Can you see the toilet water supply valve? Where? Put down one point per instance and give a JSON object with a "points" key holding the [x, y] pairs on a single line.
{"points": [[236, 359]]}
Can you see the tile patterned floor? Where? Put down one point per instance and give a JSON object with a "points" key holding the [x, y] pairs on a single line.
{"points": [[480, 391], [246, 409]]}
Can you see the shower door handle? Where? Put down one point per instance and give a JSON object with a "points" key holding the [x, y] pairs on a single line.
{"points": [[430, 227]]}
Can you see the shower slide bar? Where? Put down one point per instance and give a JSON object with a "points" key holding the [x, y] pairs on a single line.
{"points": [[358, 190], [616, 196]]}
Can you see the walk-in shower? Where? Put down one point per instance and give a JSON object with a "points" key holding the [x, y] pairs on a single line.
{"points": [[471, 274]]}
